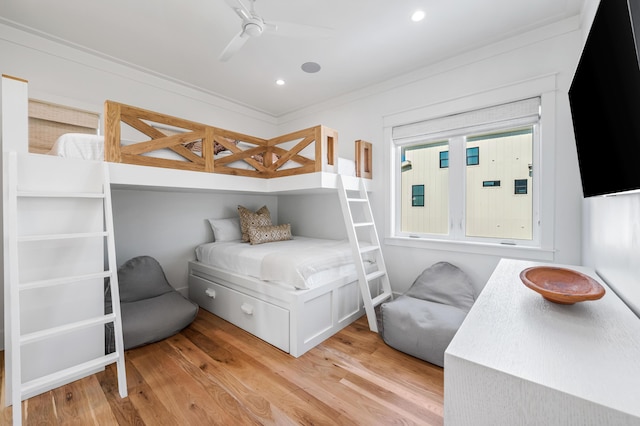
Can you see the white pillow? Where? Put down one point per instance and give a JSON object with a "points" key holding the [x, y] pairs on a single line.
{"points": [[226, 229]]}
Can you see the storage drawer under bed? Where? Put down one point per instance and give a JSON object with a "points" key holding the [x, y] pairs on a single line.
{"points": [[262, 319]]}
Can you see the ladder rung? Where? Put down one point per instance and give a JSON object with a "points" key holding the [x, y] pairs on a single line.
{"points": [[63, 280], [346, 198], [369, 249], [67, 328], [377, 274], [53, 194], [362, 224], [23, 191], [50, 237], [380, 298], [68, 373]]}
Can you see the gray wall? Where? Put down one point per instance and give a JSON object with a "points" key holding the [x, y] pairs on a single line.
{"points": [[169, 225]]}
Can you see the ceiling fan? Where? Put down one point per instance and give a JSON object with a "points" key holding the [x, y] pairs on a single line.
{"points": [[253, 25]]}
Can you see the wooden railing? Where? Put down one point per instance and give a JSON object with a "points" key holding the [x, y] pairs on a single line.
{"points": [[266, 157]]}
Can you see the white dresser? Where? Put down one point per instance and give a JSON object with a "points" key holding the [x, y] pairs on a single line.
{"points": [[519, 359]]}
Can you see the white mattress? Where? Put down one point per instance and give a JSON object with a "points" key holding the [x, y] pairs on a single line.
{"points": [[91, 147], [300, 263], [79, 145]]}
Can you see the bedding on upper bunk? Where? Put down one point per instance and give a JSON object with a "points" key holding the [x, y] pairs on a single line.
{"points": [[300, 262], [146, 138], [91, 147], [79, 145]]}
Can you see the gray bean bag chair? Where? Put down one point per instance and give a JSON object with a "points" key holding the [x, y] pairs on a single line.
{"points": [[151, 308], [423, 320]]}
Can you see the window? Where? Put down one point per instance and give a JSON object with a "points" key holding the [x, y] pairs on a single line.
{"points": [[520, 186], [432, 218], [417, 195], [497, 214], [473, 156], [444, 159], [468, 203]]}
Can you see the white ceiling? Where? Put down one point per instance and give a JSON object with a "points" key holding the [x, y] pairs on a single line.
{"points": [[370, 40]]}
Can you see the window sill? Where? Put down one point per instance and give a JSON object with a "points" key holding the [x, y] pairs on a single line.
{"points": [[501, 250]]}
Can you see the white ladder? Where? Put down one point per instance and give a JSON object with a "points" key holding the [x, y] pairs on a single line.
{"points": [[357, 215], [32, 226]]}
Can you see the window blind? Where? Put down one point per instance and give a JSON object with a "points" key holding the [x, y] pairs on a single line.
{"points": [[519, 110]]}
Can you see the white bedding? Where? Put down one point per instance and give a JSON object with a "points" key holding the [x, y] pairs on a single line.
{"points": [[300, 263], [79, 145], [91, 147]]}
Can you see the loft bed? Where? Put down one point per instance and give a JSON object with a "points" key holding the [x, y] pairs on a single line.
{"points": [[170, 146], [199, 146], [291, 318]]}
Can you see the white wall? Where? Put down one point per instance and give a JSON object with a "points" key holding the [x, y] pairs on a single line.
{"points": [[360, 115], [611, 229], [60, 74], [612, 243], [169, 225], [316, 216], [64, 75]]}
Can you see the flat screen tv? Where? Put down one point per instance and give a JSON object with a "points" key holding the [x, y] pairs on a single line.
{"points": [[605, 101]]}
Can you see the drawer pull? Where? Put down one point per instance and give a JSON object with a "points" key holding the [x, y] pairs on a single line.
{"points": [[247, 308], [210, 292]]}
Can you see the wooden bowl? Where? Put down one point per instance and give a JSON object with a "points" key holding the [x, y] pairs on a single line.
{"points": [[560, 285]]}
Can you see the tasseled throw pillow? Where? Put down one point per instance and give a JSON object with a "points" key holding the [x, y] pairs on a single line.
{"points": [[262, 217], [268, 234]]}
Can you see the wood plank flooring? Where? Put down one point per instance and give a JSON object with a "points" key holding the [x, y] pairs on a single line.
{"points": [[213, 373]]}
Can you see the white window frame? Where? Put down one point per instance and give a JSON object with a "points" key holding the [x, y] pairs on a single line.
{"points": [[543, 186], [457, 142]]}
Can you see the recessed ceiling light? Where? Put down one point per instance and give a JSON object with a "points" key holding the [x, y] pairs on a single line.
{"points": [[280, 82], [417, 16], [310, 67]]}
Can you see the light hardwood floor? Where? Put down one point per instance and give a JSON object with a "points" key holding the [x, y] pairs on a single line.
{"points": [[214, 373]]}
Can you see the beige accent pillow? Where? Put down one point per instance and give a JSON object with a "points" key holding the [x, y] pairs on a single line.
{"points": [[260, 158], [218, 147], [268, 234], [195, 147], [262, 217]]}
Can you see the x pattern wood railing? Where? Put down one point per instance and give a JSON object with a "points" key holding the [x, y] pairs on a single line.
{"points": [[195, 144]]}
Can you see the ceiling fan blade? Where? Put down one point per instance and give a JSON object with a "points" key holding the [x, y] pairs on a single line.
{"points": [[289, 29], [269, 26], [234, 45], [239, 8]]}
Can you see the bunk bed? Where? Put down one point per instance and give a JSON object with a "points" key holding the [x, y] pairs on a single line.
{"points": [[149, 149], [138, 137]]}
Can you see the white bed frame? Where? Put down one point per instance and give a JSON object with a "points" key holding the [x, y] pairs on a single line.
{"points": [[291, 320]]}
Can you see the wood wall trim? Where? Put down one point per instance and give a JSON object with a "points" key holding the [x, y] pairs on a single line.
{"points": [[364, 159], [15, 78]]}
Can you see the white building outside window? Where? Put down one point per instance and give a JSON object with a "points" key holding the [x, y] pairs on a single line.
{"points": [[476, 174]]}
